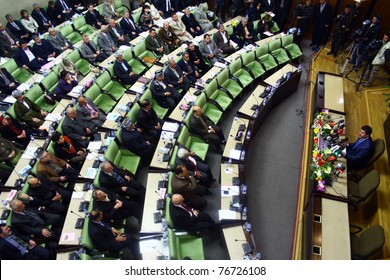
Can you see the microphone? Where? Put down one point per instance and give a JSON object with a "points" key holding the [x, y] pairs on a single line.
{"points": [[235, 173], [79, 222], [159, 195], [255, 106], [83, 204], [160, 202], [18, 182], [162, 257], [242, 240]]}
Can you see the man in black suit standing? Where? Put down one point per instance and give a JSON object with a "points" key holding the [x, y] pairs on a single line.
{"points": [[282, 11], [17, 28], [128, 26], [133, 140], [19, 247], [118, 180], [165, 7], [7, 83], [148, 122], [322, 19], [191, 24], [65, 8], [267, 6], [25, 58], [166, 96], [203, 126], [106, 238], [41, 18], [123, 70], [93, 17], [186, 218], [174, 76]]}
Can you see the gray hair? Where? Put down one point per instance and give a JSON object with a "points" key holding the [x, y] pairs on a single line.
{"points": [[104, 165]]}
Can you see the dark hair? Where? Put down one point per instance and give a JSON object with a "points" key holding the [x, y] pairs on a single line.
{"points": [[63, 74], [94, 214], [145, 103], [1, 227], [378, 17], [22, 12], [387, 33], [21, 42], [367, 129], [7, 16], [51, 3], [179, 169], [152, 29], [206, 35], [56, 136]]}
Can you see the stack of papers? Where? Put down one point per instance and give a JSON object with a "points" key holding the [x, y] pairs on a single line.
{"points": [[53, 117], [170, 126], [94, 145], [113, 116], [29, 153]]}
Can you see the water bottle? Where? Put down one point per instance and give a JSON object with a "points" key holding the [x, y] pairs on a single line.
{"points": [[248, 227], [248, 135], [159, 158], [258, 256], [244, 213], [4, 203], [32, 138], [51, 130], [242, 155], [256, 113], [230, 161], [244, 189]]}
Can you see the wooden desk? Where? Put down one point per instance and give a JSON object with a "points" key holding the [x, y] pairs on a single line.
{"points": [[148, 224], [150, 72], [22, 163], [214, 71], [230, 140], [272, 80], [228, 172], [330, 230], [70, 236], [253, 99], [269, 39], [177, 113], [59, 109], [108, 61], [234, 247], [334, 93], [163, 141]]}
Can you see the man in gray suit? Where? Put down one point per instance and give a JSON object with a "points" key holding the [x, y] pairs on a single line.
{"points": [[210, 50], [155, 44], [76, 130], [90, 51], [105, 42], [88, 112], [109, 10], [58, 41]]}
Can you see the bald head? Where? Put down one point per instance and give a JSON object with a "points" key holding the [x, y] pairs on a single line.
{"points": [[33, 182], [177, 199], [166, 24], [196, 110], [17, 205]]}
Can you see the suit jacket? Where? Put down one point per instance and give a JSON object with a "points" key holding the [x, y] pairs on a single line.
{"points": [[358, 154], [181, 218], [74, 129], [8, 251], [105, 42], [179, 27], [151, 44], [107, 10], [241, 32], [42, 196], [196, 125], [218, 40], [18, 33], [324, 18], [147, 121], [3, 86], [134, 141], [204, 50], [93, 19], [53, 14], [161, 5], [58, 42], [128, 29], [47, 172], [120, 71], [86, 52], [4, 42], [38, 18], [25, 114], [103, 239], [158, 91], [63, 88], [163, 34], [27, 225], [44, 50], [6, 147], [171, 78], [372, 33], [190, 22], [267, 6], [114, 37], [83, 113], [21, 57], [187, 187], [107, 182], [184, 66]]}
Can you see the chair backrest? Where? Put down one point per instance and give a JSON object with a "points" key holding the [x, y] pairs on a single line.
{"points": [[368, 243], [223, 76], [74, 56], [34, 93], [248, 57], [127, 55], [11, 111], [168, 218], [262, 50], [172, 244], [86, 240], [139, 49], [287, 40], [172, 161], [66, 30], [184, 137], [211, 88], [369, 183], [379, 148], [103, 79], [113, 153], [50, 81], [93, 92], [11, 66], [201, 101], [79, 22], [235, 66], [274, 45], [133, 113]]}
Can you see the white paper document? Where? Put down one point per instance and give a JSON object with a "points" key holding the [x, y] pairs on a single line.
{"points": [[170, 126], [94, 145], [29, 152], [229, 191], [112, 116], [227, 215], [53, 117], [235, 154], [91, 173]]}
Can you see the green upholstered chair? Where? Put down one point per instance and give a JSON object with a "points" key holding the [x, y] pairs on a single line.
{"points": [[103, 101], [68, 32], [249, 60], [213, 93], [170, 174], [292, 49], [137, 66], [99, 8], [240, 73], [133, 113], [11, 112], [185, 245], [209, 109], [80, 25], [367, 243], [193, 143], [107, 84], [140, 51], [50, 82], [228, 85], [379, 148], [122, 158], [81, 63], [120, 8], [275, 48], [160, 111], [20, 74], [274, 29], [136, 14], [96, 179], [264, 58], [364, 188], [167, 216], [35, 94], [172, 161]]}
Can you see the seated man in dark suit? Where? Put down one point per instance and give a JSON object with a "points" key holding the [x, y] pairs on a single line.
{"points": [[87, 111], [7, 83], [222, 40], [65, 8], [90, 51], [119, 181], [128, 26], [93, 17], [166, 96], [133, 140], [169, 37], [202, 125], [17, 28], [165, 7], [123, 70], [360, 151], [245, 32], [106, 238], [41, 18], [8, 42], [76, 129], [184, 182], [196, 165], [188, 68], [116, 208], [55, 169], [186, 218], [197, 59], [174, 76], [155, 44], [148, 122], [117, 34], [42, 48], [14, 246], [191, 24], [25, 58], [65, 149], [30, 222]]}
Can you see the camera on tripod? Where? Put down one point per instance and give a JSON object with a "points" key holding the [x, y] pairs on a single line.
{"points": [[373, 47], [358, 35]]}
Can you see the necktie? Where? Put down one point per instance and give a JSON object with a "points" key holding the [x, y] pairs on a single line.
{"points": [[158, 45], [18, 243], [168, 3], [15, 25], [124, 66], [188, 209], [90, 109], [358, 143], [322, 7], [118, 178], [12, 42], [131, 24], [43, 17], [203, 122], [208, 46], [64, 5]]}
